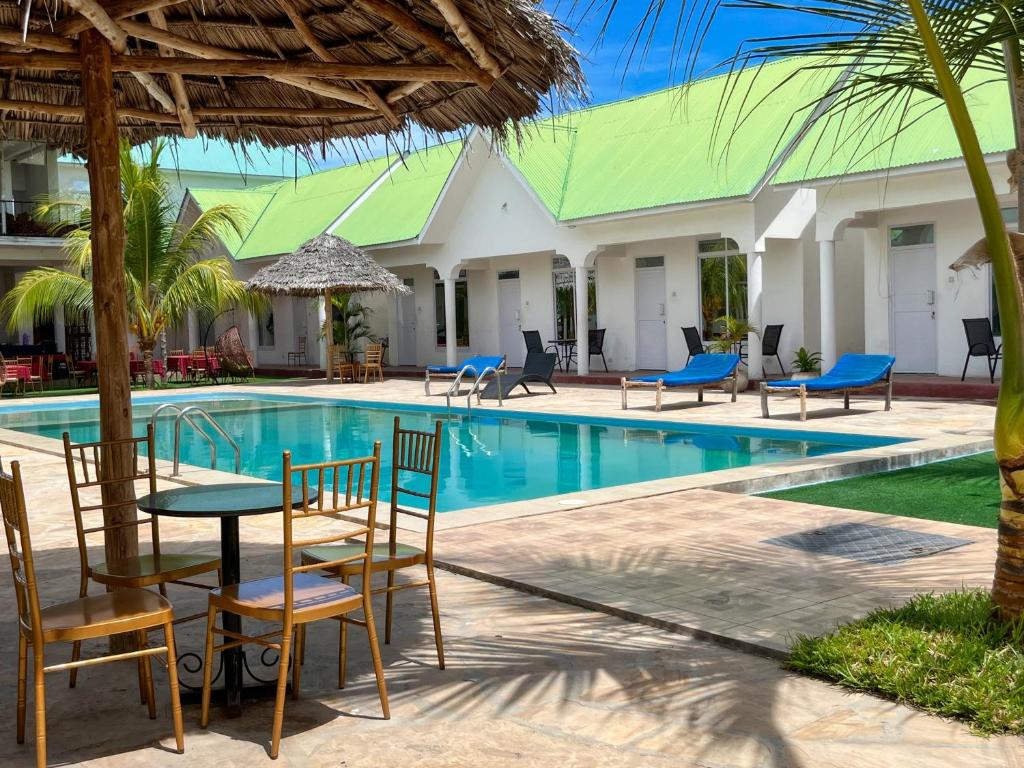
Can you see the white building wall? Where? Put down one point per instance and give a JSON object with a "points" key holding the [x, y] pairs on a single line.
{"points": [[784, 298]]}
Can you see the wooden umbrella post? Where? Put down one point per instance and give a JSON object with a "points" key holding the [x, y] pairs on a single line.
{"points": [[110, 306], [329, 330]]}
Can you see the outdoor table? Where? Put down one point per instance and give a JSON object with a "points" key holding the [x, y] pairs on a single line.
{"points": [[138, 368], [228, 502], [179, 364], [566, 347], [20, 373]]}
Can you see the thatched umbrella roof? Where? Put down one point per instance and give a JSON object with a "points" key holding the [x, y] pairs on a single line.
{"points": [[326, 263], [284, 72]]}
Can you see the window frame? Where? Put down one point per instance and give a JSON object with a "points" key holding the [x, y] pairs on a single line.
{"points": [[725, 253], [438, 319]]}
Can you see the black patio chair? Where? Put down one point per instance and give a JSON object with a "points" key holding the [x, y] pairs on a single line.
{"points": [[595, 340], [538, 368], [535, 343], [981, 343], [694, 343], [770, 344]]}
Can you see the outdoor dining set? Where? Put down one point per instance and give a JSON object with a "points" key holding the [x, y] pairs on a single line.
{"points": [[322, 554]]}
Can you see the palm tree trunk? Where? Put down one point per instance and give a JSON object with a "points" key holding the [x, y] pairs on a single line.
{"points": [[146, 347], [1008, 585]]}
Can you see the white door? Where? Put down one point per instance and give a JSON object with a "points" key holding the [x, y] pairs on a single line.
{"points": [[650, 319], [915, 342], [407, 326], [510, 331]]}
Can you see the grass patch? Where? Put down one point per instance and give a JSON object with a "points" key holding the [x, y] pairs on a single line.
{"points": [[945, 654], [964, 490], [68, 391]]}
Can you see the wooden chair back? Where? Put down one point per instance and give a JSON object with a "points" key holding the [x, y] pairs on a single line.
{"points": [[374, 354], [94, 513], [301, 348], [19, 547], [344, 488], [417, 453], [176, 352]]}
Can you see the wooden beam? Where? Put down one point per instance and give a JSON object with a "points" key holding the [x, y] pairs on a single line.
{"points": [[77, 111], [318, 48], [117, 10], [37, 40], [181, 104], [406, 89], [467, 36], [245, 67], [160, 96], [100, 19], [110, 305], [430, 38]]}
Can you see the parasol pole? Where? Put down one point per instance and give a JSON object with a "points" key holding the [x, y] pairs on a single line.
{"points": [[329, 323]]}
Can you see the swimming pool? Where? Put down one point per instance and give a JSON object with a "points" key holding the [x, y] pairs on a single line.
{"points": [[487, 458]]}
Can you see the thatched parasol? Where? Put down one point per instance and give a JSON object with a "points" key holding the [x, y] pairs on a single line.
{"points": [[323, 266], [82, 73]]}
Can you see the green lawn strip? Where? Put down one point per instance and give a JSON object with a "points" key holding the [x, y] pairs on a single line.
{"points": [[964, 490], [945, 654], [66, 392]]}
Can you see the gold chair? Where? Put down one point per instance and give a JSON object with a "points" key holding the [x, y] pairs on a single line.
{"points": [[135, 611], [344, 366], [298, 597], [34, 380], [417, 453], [374, 355], [144, 570]]}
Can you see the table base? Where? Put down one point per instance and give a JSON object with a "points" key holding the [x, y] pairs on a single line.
{"points": [[190, 669]]}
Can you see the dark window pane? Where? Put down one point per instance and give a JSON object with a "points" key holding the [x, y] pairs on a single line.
{"points": [[461, 314]]}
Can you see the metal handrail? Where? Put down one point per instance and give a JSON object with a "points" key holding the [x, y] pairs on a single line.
{"points": [[186, 415], [454, 388], [178, 409], [475, 389]]}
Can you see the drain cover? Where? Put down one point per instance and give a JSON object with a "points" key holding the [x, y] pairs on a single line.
{"points": [[875, 544]]}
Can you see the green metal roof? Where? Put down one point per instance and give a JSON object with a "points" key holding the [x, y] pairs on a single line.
{"points": [[670, 147], [839, 144], [398, 209]]}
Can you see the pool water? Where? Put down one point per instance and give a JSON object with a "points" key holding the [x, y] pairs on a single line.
{"points": [[486, 458]]}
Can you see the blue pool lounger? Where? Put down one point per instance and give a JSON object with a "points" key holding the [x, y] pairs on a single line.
{"points": [[702, 371], [852, 373], [473, 366]]}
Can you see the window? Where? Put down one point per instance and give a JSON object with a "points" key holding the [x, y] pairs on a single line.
{"points": [[265, 326], [723, 284], [461, 312], [563, 278], [508, 274], [919, 234]]}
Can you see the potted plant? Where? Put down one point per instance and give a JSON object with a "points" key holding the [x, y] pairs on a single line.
{"points": [[351, 325], [734, 332], [806, 365]]}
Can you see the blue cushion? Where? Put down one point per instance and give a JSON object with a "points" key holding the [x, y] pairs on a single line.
{"points": [[703, 369], [474, 365], [851, 371]]}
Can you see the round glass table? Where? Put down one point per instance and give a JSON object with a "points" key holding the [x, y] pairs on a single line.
{"points": [[226, 502]]}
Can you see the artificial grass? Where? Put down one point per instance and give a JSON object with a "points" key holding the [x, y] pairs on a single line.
{"points": [[964, 490], [945, 654]]}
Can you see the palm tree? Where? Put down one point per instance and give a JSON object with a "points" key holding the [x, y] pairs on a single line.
{"points": [[886, 53], [351, 323], [165, 277]]}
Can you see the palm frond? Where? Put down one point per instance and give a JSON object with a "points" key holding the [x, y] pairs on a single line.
{"points": [[188, 243], [204, 285], [34, 297]]}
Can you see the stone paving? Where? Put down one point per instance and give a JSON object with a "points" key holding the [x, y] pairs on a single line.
{"points": [[534, 681]]}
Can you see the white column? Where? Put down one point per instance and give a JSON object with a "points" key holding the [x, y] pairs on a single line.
{"points": [[321, 319], [755, 287], [59, 334], [450, 335], [827, 276], [254, 334], [192, 326], [582, 323]]}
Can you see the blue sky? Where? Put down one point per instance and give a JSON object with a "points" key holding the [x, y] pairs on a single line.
{"points": [[609, 71]]}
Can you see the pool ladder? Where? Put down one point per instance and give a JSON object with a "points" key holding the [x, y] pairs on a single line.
{"points": [[186, 415], [453, 390]]}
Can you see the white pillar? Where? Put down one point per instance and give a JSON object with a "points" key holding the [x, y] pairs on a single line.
{"points": [[582, 322], [59, 333], [192, 327], [321, 319], [827, 276], [254, 333], [755, 283], [450, 334]]}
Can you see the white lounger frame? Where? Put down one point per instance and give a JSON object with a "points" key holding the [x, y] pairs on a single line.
{"points": [[803, 392], [659, 386]]}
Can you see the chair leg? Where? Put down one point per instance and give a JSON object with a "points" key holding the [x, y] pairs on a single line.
{"points": [[76, 654], [22, 684], [764, 401], [389, 608], [992, 370], [432, 586], [378, 668], [282, 689], [604, 362], [146, 671], [967, 361], [803, 403], [204, 713], [846, 399], [342, 644], [300, 643], [172, 683], [39, 679]]}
